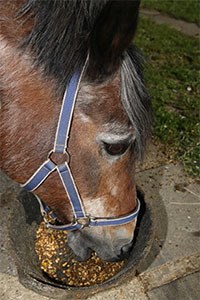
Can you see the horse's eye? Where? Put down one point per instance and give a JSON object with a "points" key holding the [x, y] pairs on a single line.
{"points": [[116, 149]]}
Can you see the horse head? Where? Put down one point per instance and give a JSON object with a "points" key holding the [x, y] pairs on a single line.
{"points": [[42, 44]]}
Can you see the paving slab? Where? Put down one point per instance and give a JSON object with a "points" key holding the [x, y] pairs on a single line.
{"points": [[186, 288], [177, 198], [177, 236], [187, 28]]}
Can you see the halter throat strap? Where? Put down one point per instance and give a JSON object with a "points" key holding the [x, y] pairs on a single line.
{"points": [[81, 219]]}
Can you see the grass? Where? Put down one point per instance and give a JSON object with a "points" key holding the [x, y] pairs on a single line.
{"points": [[188, 10], [172, 75]]}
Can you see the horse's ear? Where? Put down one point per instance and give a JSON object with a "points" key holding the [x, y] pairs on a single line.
{"points": [[112, 33]]}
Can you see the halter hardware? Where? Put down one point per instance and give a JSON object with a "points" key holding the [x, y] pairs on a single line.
{"points": [[85, 221], [48, 218], [58, 160]]}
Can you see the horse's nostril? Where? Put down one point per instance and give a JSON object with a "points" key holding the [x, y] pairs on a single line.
{"points": [[122, 248], [126, 249], [119, 243]]}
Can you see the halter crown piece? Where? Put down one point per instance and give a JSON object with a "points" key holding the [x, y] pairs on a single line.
{"points": [[81, 219]]}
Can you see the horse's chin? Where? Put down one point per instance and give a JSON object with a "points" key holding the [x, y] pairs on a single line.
{"points": [[84, 255]]}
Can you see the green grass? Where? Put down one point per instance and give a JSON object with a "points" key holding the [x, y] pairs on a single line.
{"points": [[188, 10], [172, 75]]}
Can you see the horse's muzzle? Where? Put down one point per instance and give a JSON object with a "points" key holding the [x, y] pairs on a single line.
{"points": [[82, 245]]}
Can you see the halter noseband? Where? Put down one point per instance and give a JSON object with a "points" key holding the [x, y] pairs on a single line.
{"points": [[81, 219]]}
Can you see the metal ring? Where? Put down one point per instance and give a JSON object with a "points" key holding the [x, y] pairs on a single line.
{"points": [[84, 221], [66, 156]]}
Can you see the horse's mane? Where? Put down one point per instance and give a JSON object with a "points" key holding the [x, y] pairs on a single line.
{"points": [[135, 97], [60, 33], [60, 38]]}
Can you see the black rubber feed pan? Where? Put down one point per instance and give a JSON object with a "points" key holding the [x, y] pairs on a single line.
{"points": [[23, 226]]}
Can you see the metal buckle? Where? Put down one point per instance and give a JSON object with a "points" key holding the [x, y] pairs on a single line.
{"points": [[84, 221], [47, 216], [59, 158]]}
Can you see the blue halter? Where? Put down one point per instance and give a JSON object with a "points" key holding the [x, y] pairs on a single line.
{"points": [[81, 219]]}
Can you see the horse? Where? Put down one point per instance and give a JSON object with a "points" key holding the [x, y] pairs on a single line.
{"points": [[42, 44]]}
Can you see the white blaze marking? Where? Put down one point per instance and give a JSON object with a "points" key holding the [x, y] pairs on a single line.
{"points": [[97, 207], [114, 191]]}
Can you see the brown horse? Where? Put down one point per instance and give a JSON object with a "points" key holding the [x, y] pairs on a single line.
{"points": [[42, 43]]}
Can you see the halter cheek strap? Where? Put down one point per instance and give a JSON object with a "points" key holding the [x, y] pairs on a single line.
{"points": [[81, 219]]}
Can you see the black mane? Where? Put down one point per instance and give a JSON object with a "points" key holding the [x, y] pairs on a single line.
{"points": [[60, 34]]}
